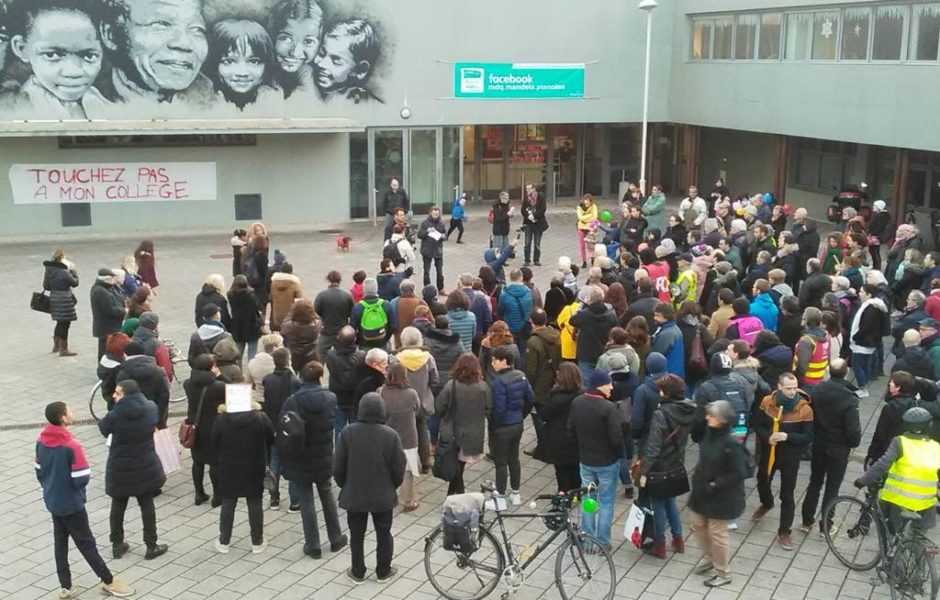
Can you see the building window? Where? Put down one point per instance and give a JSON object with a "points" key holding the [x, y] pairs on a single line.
{"points": [[745, 34], [856, 24], [702, 40], [157, 141], [925, 32], [723, 37], [799, 32], [769, 44], [825, 34], [821, 165], [888, 32]]}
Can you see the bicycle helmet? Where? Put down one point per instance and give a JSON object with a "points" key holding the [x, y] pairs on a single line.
{"points": [[916, 420]]}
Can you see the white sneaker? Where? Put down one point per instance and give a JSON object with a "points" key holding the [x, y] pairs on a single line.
{"points": [[515, 498], [221, 548], [66, 593], [260, 547], [862, 393], [496, 503], [732, 526]]}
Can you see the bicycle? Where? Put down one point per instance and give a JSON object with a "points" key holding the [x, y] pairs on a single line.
{"points": [[584, 567], [860, 536], [177, 393]]}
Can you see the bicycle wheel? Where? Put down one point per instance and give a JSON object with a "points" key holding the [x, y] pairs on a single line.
{"points": [[95, 398], [853, 533], [912, 572], [579, 574], [459, 576]]}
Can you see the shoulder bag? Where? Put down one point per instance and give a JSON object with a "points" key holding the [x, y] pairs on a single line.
{"points": [[671, 482], [187, 433]]}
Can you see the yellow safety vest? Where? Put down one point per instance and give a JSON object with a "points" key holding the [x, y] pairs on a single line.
{"points": [[912, 479], [687, 276]]}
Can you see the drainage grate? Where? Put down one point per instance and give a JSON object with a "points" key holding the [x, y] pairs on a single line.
{"points": [[330, 231], [76, 423]]}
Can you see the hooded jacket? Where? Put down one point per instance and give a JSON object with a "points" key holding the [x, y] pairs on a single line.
{"points": [[763, 307], [778, 291], [285, 289], [369, 465], [152, 382], [204, 340], [133, 467], [210, 295], [107, 309], [155, 348], [668, 341], [464, 324], [345, 362], [774, 361], [277, 387], [628, 353], [660, 455], [868, 326], [746, 372], [389, 286], [246, 316], [62, 470], [515, 306], [227, 358], [835, 414], [423, 376], [481, 309], [718, 478], [543, 356], [720, 385], [242, 441], [512, 398], [316, 405], [593, 323], [445, 347], [301, 340]]}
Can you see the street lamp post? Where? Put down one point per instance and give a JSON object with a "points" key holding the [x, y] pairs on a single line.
{"points": [[646, 6]]}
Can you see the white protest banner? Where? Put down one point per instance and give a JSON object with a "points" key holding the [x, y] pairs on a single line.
{"points": [[113, 182], [238, 397]]}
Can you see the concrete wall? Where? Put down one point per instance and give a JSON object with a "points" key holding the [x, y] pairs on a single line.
{"points": [[302, 178]]}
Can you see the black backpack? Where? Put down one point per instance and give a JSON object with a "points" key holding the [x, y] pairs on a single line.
{"points": [[726, 390], [749, 461], [291, 435], [392, 252]]}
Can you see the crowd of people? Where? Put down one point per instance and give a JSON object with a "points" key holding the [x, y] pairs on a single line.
{"points": [[729, 324]]}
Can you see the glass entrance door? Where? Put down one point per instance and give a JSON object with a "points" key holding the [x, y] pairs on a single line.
{"points": [[423, 170]]}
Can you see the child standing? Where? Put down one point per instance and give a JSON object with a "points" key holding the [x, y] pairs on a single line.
{"points": [[356, 289], [64, 473], [457, 216], [146, 266]]}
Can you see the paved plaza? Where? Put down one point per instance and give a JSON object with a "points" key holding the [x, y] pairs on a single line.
{"points": [[32, 377]]}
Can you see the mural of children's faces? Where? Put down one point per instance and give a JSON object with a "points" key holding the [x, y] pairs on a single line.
{"points": [[63, 49], [297, 42], [242, 55], [241, 70], [336, 65]]}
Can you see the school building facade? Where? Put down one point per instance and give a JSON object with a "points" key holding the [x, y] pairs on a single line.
{"points": [[775, 96]]}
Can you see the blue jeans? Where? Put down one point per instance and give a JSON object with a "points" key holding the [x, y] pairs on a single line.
{"points": [[343, 417], [624, 463], [252, 347], [861, 366], [665, 509], [587, 369], [605, 478], [434, 427], [274, 463]]}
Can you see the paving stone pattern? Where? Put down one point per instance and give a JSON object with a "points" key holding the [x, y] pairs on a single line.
{"points": [[193, 570]]}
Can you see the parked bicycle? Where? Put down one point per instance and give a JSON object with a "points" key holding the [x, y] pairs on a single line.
{"points": [[584, 567], [861, 537], [98, 404]]}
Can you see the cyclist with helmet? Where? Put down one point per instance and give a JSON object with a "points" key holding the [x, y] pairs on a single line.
{"points": [[909, 469]]}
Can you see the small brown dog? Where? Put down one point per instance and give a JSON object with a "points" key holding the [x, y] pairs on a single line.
{"points": [[342, 242]]}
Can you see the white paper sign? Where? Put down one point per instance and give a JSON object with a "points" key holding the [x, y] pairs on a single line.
{"points": [[238, 397], [113, 182]]}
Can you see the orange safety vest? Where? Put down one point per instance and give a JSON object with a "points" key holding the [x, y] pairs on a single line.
{"points": [[818, 362], [659, 275]]}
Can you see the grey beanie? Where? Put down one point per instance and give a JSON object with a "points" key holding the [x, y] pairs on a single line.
{"points": [[370, 287]]}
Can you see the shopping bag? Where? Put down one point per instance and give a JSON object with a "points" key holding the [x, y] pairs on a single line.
{"points": [[639, 526], [167, 451]]}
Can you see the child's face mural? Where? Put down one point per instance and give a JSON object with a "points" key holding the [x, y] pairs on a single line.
{"points": [[335, 64], [297, 43], [63, 49], [241, 70]]}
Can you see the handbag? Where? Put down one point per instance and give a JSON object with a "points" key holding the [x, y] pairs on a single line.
{"points": [[270, 481], [167, 451], [40, 302], [187, 432], [447, 457], [639, 526]]}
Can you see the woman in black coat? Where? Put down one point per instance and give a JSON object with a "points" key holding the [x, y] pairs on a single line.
{"points": [[559, 447], [59, 279], [211, 293], [133, 467], [246, 316], [242, 442], [718, 489], [205, 392]]}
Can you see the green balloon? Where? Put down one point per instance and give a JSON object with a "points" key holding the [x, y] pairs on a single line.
{"points": [[606, 216], [589, 505]]}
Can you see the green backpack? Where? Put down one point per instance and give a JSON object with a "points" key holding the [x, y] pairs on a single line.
{"points": [[374, 322]]}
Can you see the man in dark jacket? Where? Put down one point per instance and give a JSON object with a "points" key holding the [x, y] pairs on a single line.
{"points": [[512, 401], [784, 425], [371, 335], [543, 356], [836, 430], [593, 323], [388, 281], [902, 392], [816, 285], [146, 334], [479, 304], [910, 318], [395, 197], [316, 405], [789, 321], [643, 305], [372, 376], [345, 362], [721, 386], [278, 386], [369, 467], [535, 222], [431, 233], [334, 305], [445, 347], [912, 357], [595, 423], [210, 333], [133, 469], [150, 378], [107, 308], [63, 472]]}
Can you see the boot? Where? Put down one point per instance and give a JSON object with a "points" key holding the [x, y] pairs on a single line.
{"points": [[678, 545], [55, 344], [64, 348], [658, 550]]}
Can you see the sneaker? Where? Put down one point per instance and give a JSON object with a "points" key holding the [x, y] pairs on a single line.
{"points": [[806, 528], [628, 492], [786, 542], [392, 574], [117, 588], [732, 526], [717, 581], [352, 577], [339, 544], [293, 509], [862, 393], [275, 503], [759, 513], [259, 548], [514, 498], [66, 593], [537, 264], [832, 530], [155, 551], [119, 550], [221, 548]]}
